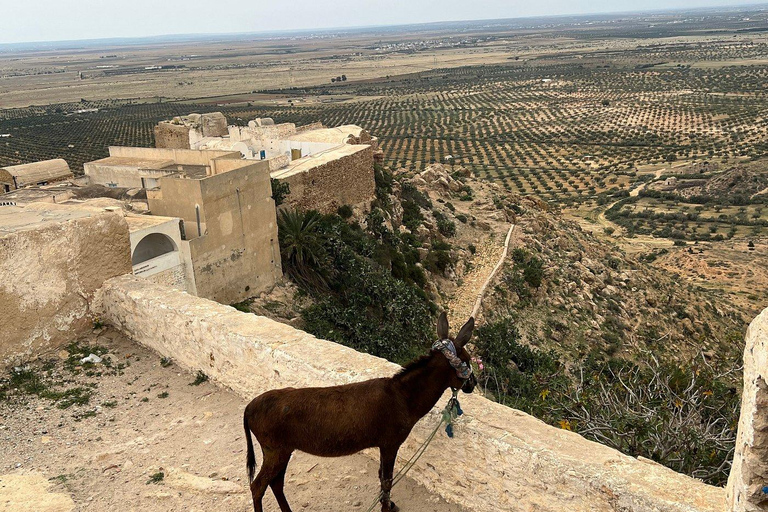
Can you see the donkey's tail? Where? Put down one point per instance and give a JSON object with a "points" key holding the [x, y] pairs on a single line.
{"points": [[249, 442]]}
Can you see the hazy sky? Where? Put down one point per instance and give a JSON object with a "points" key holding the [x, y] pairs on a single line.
{"points": [[54, 20]]}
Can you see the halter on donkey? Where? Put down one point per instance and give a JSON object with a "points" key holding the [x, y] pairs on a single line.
{"points": [[342, 420]]}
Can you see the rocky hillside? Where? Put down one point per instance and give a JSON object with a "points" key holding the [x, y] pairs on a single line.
{"points": [[565, 289], [593, 298], [743, 180], [572, 329]]}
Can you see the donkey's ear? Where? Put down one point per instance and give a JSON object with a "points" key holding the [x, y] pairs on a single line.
{"points": [[465, 333], [442, 326]]}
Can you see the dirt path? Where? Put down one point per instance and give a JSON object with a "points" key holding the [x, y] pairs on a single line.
{"points": [[466, 299], [148, 420]]}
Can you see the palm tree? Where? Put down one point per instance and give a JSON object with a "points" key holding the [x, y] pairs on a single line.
{"points": [[301, 248]]}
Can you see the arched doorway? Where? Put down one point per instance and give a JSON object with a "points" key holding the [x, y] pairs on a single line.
{"points": [[152, 246]]}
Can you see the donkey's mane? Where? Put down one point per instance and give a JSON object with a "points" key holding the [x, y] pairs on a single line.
{"points": [[414, 365]]}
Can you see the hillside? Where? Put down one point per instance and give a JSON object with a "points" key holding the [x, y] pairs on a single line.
{"points": [[572, 329], [740, 181]]}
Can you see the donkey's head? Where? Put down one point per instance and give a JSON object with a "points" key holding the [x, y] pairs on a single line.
{"points": [[462, 376]]}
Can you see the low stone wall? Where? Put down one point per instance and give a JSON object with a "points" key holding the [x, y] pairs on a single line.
{"points": [[49, 275], [500, 459], [747, 491]]}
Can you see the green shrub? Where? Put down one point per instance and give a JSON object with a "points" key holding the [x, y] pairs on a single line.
{"points": [[446, 227], [280, 191]]}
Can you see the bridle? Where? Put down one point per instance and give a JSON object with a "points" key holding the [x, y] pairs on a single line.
{"points": [[448, 349]]}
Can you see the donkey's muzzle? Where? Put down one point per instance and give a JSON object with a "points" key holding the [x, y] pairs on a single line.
{"points": [[469, 384]]}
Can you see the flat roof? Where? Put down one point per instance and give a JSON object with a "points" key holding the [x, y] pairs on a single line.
{"points": [[36, 194], [24, 218], [140, 222], [336, 135], [129, 161], [194, 172], [312, 161]]}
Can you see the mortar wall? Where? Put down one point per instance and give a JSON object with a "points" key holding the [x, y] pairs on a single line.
{"points": [[500, 459], [345, 180], [50, 275]]}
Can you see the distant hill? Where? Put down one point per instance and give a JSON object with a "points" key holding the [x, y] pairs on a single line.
{"points": [[741, 181]]}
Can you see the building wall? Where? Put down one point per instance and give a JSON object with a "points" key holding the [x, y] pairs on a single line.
{"points": [[180, 198], [237, 255], [50, 274], [346, 180], [252, 131], [122, 176], [500, 459], [6, 181], [171, 136], [179, 156], [184, 132]]}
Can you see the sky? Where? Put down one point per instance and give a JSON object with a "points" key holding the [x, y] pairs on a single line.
{"points": [[57, 20]]}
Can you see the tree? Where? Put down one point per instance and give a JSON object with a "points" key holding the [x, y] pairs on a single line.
{"points": [[301, 248]]}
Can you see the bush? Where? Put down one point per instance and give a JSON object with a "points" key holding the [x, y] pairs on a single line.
{"points": [[446, 227], [279, 191], [682, 416], [370, 310], [344, 211], [366, 285]]}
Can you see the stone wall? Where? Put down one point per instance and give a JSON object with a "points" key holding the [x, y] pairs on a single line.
{"points": [[183, 132], [178, 156], [500, 459], [174, 277], [348, 179], [747, 491], [50, 273], [171, 136]]}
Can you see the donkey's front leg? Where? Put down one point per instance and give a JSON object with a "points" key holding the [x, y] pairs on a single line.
{"points": [[388, 457]]}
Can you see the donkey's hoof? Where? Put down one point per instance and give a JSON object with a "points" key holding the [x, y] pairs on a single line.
{"points": [[393, 507]]}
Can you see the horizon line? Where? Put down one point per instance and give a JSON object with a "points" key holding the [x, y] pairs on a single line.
{"points": [[347, 28]]}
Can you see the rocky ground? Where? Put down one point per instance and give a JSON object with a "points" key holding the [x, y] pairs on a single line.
{"points": [[135, 432]]}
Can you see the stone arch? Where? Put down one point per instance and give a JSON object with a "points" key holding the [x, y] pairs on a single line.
{"points": [[152, 246]]}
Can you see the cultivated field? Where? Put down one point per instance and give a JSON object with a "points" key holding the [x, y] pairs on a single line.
{"points": [[587, 113]]}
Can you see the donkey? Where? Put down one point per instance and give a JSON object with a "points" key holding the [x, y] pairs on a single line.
{"points": [[342, 420]]}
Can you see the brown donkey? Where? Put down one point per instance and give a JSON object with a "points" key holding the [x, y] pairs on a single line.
{"points": [[342, 420]]}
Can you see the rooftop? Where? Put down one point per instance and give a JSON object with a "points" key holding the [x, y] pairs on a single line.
{"points": [[141, 222], [128, 161], [23, 218], [310, 162], [194, 172], [36, 172], [336, 135]]}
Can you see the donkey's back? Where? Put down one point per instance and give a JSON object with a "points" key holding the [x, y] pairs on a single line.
{"points": [[325, 421]]}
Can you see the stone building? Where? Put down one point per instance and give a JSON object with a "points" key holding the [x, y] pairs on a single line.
{"points": [[229, 226], [185, 131], [159, 252], [327, 180], [324, 167], [37, 173], [128, 167]]}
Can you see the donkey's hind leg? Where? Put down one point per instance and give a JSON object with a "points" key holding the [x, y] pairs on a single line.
{"points": [[270, 468], [277, 484]]}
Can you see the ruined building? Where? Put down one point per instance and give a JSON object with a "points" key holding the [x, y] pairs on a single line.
{"points": [[324, 167]]}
